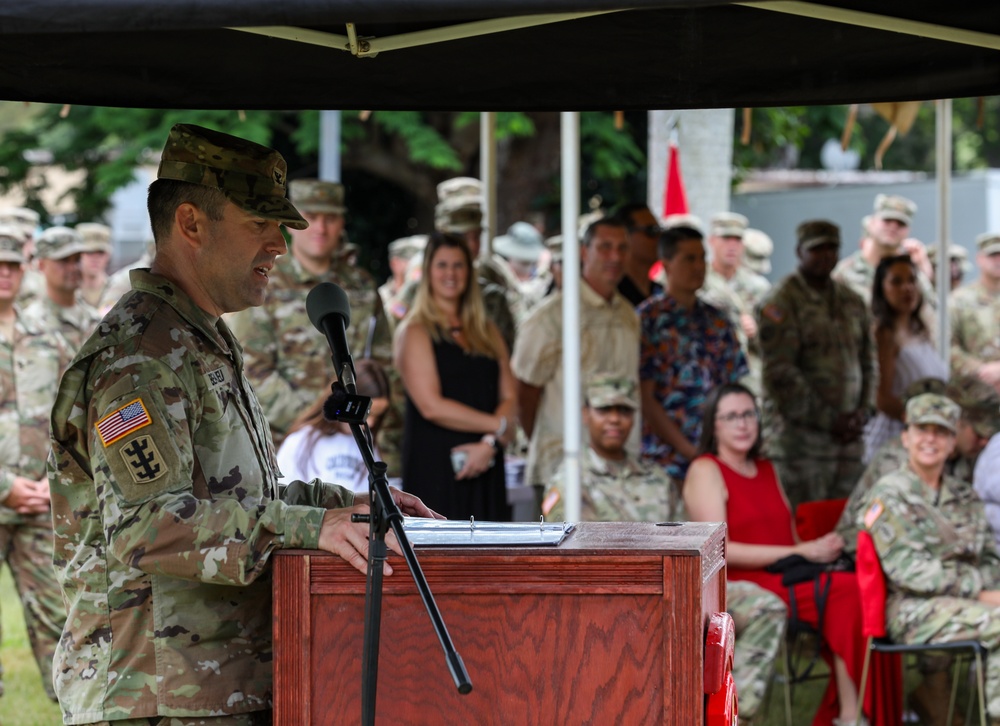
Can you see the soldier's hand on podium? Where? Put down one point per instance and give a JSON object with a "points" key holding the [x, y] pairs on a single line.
{"points": [[349, 540]]}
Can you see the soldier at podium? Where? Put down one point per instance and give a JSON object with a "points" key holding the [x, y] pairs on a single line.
{"points": [[615, 486], [165, 503]]}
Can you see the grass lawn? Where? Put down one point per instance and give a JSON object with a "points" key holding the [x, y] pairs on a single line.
{"points": [[24, 702]]}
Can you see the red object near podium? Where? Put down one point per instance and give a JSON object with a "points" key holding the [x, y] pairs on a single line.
{"points": [[608, 627]]}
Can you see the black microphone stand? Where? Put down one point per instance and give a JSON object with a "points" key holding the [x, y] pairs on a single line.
{"points": [[383, 515]]}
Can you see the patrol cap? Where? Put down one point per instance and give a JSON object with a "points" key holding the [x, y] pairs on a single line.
{"points": [[459, 214], [58, 243], [688, 221], [316, 196], [890, 206], [728, 224], [554, 246], [933, 408], [405, 247], [757, 250], [23, 217], [11, 243], [96, 237], [250, 175], [816, 232], [610, 389], [979, 401], [988, 243], [523, 242], [460, 186], [956, 253]]}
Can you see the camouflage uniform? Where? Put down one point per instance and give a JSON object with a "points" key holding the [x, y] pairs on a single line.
{"points": [[162, 536], [736, 297], [974, 313], [96, 238], [855, 272], [760, 618], [119, 283], [30, 366], [819, 362], [938, 553]]}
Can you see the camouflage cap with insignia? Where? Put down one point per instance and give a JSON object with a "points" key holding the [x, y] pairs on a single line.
{"points": [[460, 186], [688, 221], [609, 389], [316, 196], [22, 217], [933, 408], [58, 243], [816, 232], [757, 250], [523, 242], [890, 206], [405, 247], [988, 243], [979, 401], [251, 176], [11, 243], [459, 214], [728, 224], [96, 237]]}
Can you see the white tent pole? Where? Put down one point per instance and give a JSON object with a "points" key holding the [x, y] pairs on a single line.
{"points": [[488, 175], [943, 161], [329, 145], [570, 133]]}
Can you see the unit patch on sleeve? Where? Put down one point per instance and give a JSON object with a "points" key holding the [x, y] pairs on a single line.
{"points": [[143, 460], [118, 424]]}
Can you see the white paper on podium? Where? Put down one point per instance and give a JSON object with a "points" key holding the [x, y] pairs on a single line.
{"points": [[457, 532]]}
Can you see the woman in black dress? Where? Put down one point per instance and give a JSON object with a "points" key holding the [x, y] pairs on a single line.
{"points": [[460, 403]]}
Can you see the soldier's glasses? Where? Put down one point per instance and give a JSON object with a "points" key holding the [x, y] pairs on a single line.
{"points": [[731, 419]]}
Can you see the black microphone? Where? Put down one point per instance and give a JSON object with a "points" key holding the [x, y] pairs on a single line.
{"points": [[330, 312]]}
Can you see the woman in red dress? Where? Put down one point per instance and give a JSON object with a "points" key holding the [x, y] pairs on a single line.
{"points": [[729, 482]]}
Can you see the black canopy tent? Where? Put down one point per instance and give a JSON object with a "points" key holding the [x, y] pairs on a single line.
{"points": [[657, 54]]}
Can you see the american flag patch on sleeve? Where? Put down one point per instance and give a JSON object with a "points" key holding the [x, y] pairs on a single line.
{"points": [[125, 420]]}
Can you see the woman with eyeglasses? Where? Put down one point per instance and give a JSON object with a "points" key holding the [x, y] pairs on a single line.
{"points": [[730, 482]]}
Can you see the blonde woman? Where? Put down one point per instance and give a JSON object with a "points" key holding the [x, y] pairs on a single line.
{"points": [[460, 403]]}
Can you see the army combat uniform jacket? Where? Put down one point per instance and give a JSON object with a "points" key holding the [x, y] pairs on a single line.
{"points": [[166, 511]]}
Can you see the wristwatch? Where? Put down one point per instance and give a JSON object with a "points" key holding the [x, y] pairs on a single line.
{"points": [[489, 439]]}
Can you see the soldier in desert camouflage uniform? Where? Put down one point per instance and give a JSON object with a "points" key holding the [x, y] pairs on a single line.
{"points": [[935, 545], [165, 501], [59, 251], [818, 373], [975, 317], [31, 360], [288, 360]]}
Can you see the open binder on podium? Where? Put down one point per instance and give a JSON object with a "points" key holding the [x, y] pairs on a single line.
{"points": [[459, 532]]}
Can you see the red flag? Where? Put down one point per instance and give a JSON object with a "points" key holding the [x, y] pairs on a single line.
{"points": [[674, 199]]}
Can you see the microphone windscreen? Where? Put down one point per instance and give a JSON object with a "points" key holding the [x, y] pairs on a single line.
{"points": [[327, 298]]}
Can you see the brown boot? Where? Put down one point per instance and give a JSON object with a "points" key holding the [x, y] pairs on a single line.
{"points": [[930, 700]]}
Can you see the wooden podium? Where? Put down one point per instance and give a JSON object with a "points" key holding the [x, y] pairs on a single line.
{"points": [[607, 628]]}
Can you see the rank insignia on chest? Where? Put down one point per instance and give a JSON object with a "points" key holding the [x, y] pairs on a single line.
{"points": [[120, 423], [873, 513], [143, 460]]}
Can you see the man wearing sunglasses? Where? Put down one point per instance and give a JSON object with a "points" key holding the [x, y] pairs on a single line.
{"points": [[643, 233]]}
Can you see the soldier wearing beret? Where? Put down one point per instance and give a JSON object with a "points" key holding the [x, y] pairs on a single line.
{"points": [[935, 545], [32, 357], [165, 501], [818, 372], [974, 310]]}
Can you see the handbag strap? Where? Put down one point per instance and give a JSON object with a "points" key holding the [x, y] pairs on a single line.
{"points": [[822, 590]]}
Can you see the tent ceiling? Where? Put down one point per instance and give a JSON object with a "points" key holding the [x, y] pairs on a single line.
{"points": [[656, 55]]}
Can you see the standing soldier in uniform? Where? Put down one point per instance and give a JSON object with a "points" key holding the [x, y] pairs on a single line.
{"points": [[165, 501], [935, 545], [975, 317], [32, 357], [96, 256], [288, 360], [60, 251], [401, 251], [818, 373], [32, 282]]}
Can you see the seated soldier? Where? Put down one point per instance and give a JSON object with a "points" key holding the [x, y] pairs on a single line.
{"points": [[616, 486], [940, 561]]}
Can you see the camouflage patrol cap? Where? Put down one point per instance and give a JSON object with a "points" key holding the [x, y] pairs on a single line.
{"points": [[610, 389], [316, 196], [554, 246], [979, 401], [728, 224], [405, 247], [523, 242], [956, 253], [459, 214], [988, 243], [96, 237], [890, 206], [22, 217], [688, 221], [58, 243], [460, 186], [933, 408], [250, 175], [816, 232], [757, 250], [11, 243]]}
